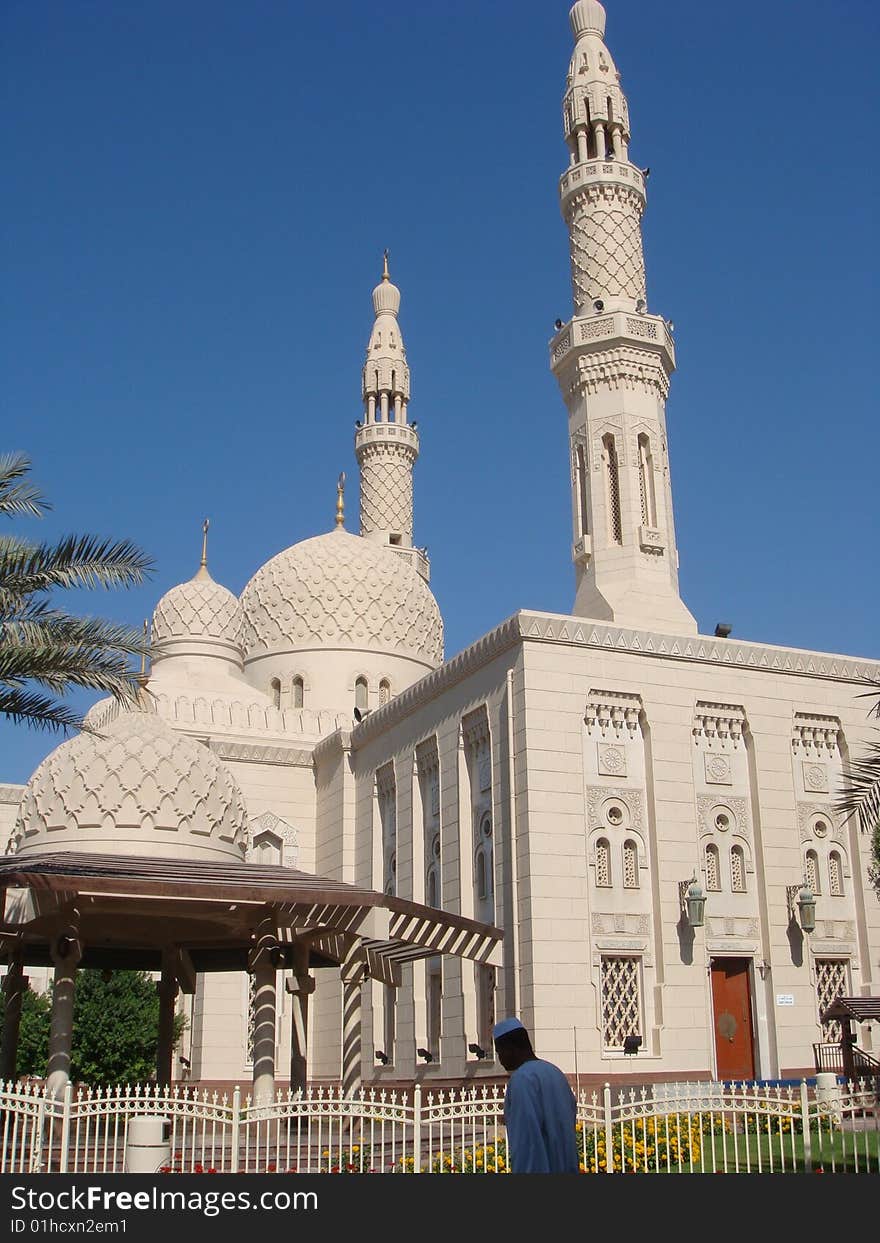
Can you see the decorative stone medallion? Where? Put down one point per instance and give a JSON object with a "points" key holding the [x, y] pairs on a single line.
{"points": [[815, 777], [612, 760], [717, 769]]}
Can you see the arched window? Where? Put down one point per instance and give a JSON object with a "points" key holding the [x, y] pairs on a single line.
{"points": [[646, 483], [713, 871], [835, 875], [384, 692], [737, 870], [484, 862], [481, 875], [431, 887], [630, 865], [812, 871], [275, 692], [603, 864], [360, 694], [615, 530], [298, 692]]}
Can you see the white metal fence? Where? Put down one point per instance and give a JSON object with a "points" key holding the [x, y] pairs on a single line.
{"points": [[666, 1128]]}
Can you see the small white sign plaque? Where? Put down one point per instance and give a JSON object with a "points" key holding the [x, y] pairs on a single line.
{"points": [[785, 999]]}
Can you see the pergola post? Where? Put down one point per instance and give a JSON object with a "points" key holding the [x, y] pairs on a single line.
{"points": [[66, 951], [261, 962], [15, 985], [167, 990], [353, 973], [300, 988]]}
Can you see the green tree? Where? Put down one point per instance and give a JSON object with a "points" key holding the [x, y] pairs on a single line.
{"points": [[44, 651], [116, 1028], [33, 1033], [860, 796]]}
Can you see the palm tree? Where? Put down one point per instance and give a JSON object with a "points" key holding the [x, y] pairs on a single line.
{"points": [[860, 796], [44, 651]]}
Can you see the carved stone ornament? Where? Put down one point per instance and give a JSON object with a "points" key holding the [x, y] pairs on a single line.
{"points": [[709, 805], [597, 796], [717, 769], [612, 760], [815, 777]]}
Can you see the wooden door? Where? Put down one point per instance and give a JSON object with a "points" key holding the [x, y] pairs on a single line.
{"points": [[732, 1009]]}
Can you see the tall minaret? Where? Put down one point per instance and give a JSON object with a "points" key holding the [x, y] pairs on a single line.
{"points": [[386, 444], [613, 360]]}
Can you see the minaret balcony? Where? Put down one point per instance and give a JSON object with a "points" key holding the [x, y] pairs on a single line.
{"points": [[595, 333], [402, 434], [581, 177]]}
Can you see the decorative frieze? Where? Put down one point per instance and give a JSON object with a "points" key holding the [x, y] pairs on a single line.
{"points": [[732, 926], [257, 753], [619, 922]]}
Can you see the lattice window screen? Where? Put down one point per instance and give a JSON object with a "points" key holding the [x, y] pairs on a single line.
{"points": [[835, 875], [811, 872], [737, 870], [831, 982], [713, 872], [621, 1000], [603, 864], [613, 490], [630, 866]]}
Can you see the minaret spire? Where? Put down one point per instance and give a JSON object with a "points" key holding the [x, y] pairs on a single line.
{"points": [[613, 360], [386, 443]]}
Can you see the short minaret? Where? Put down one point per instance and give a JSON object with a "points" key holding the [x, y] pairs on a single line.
{"points": [[386, 444], [613, 360]]}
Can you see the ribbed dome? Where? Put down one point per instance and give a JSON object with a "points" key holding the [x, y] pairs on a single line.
{"points": [[386, 299], [139, 789], [339, 590], [587, 15], [200, 608]]}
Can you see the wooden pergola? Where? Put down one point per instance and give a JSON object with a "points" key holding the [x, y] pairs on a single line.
{"points": [[850, 1060], [182, 917]]}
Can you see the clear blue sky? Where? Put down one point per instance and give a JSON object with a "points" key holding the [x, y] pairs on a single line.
{"points": [[196, 200]]}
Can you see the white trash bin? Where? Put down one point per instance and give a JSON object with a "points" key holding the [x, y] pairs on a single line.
{"points": [[149, 1144]]}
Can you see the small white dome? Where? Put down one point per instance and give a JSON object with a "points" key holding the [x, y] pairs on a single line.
{"points": [[139, 789], [199, 609], [386, 299], [339, 590], [587, 15]]}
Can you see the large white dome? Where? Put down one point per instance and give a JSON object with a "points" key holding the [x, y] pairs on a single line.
{"points": [[339, 590], [140, 788]]}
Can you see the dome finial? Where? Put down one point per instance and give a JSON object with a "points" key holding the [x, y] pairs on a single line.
{"points": [[143, 677], [340, 501], [386, 275], [202, 572]]}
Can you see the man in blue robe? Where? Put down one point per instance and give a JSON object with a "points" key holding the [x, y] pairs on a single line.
{"points": [[539, 1106]]}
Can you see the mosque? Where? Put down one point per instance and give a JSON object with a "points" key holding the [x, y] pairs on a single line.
{"points": [[647, 812]]}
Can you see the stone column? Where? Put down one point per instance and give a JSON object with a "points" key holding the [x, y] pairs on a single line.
{"points": [[167, 990], [583, 149], [15, 985], [66, 953], [353, 973], [264, 967], [600, 141], [300, 988]]}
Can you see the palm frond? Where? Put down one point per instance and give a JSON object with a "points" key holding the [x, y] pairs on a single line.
{"points": [[74, 561], [36, 710], [860, 796], [17, 495]]}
